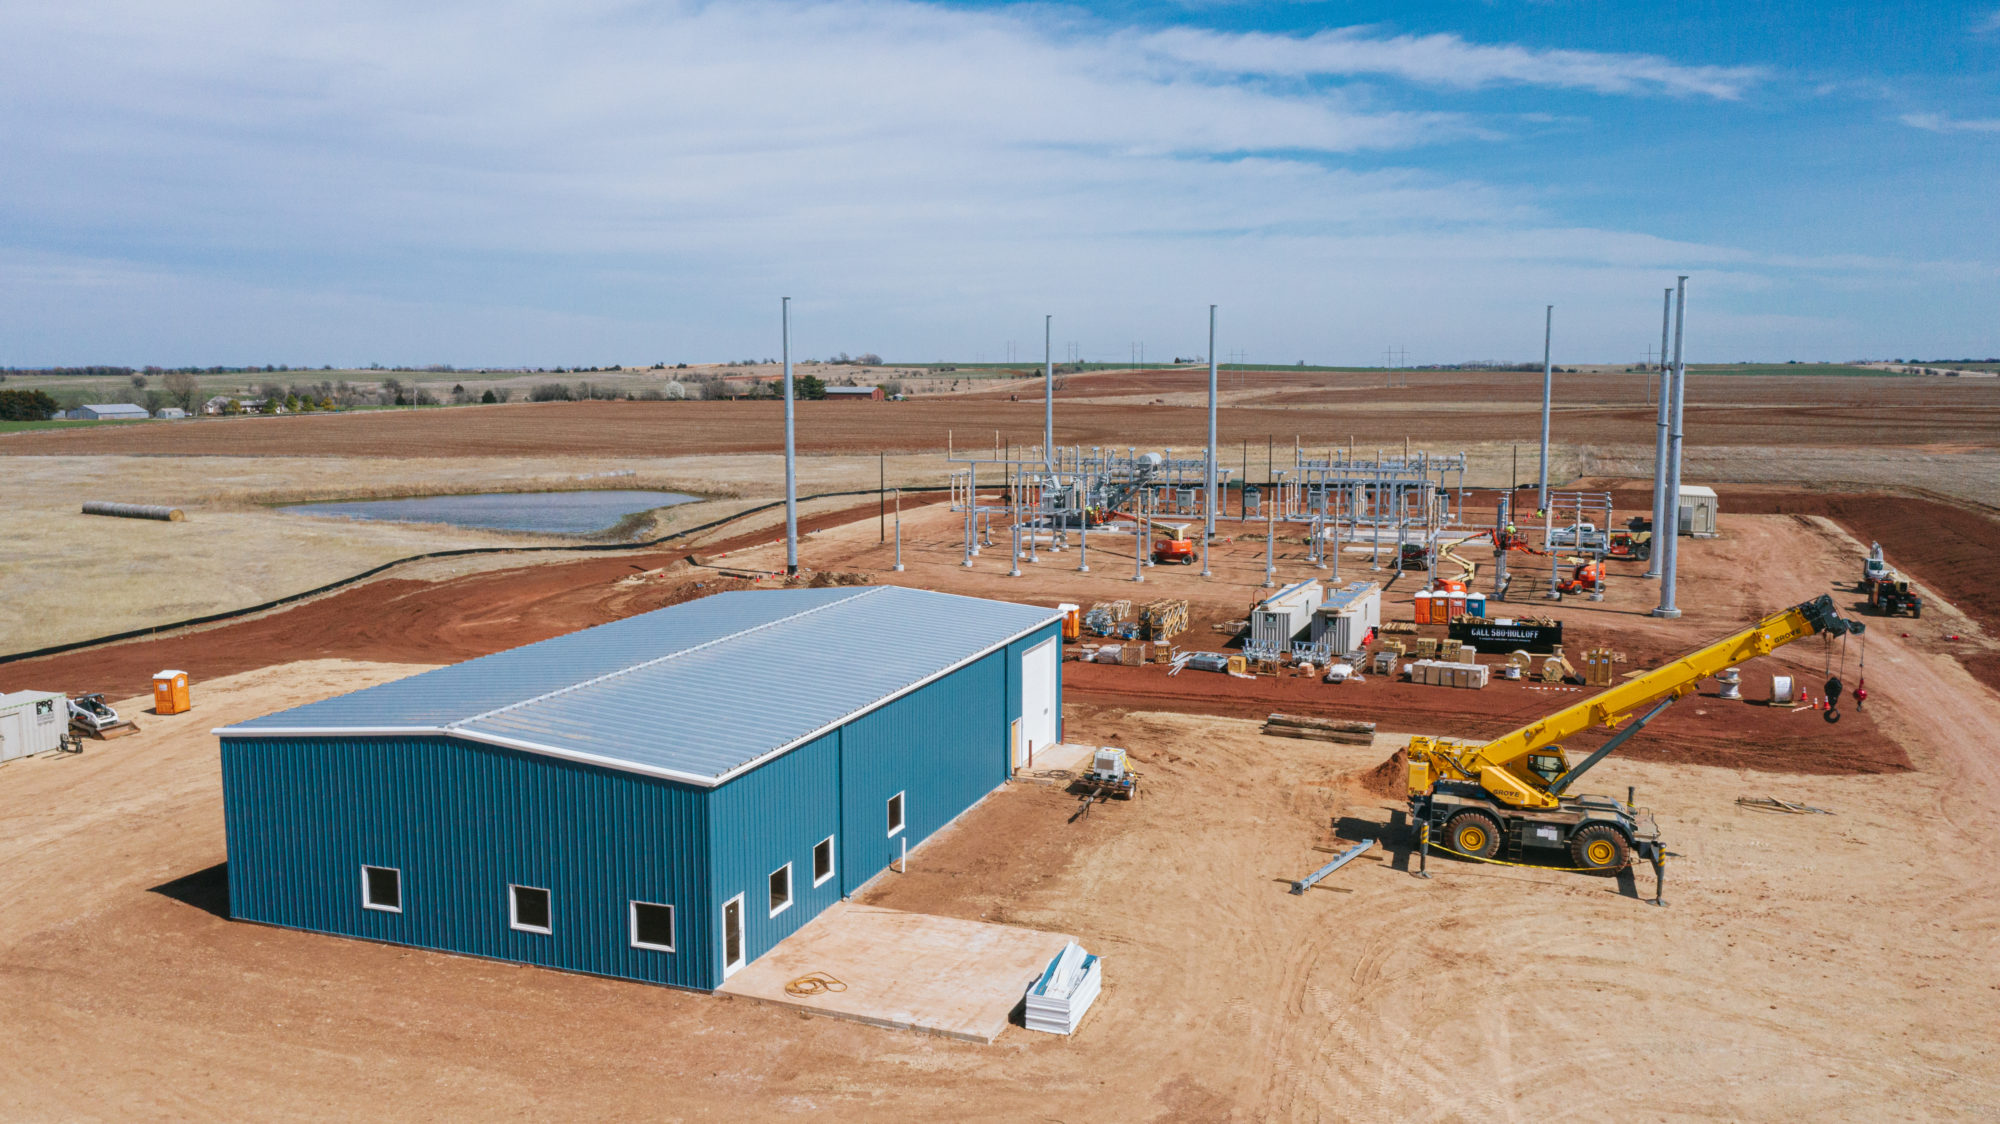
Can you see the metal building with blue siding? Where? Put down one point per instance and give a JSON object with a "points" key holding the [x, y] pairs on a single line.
{"points": [[663, 798]]}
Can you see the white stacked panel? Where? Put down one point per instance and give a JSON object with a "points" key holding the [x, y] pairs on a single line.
{"points": [[1057, 1000]]}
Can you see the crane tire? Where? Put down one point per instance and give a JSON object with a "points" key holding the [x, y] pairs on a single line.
{"points": [[1473, 833], [1600, 849]]}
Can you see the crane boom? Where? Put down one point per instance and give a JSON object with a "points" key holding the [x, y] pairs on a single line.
{"points": [[1503, 766]]}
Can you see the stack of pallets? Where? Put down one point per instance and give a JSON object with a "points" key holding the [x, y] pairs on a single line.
{"points": [[1163, 619]]}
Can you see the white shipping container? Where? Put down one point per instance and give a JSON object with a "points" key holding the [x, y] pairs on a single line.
{"points": [[1349, 614], [32, 722], [1285, 615]]}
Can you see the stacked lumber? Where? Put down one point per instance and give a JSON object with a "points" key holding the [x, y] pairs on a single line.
{"points": [[1163, 619], [1319, 729]]}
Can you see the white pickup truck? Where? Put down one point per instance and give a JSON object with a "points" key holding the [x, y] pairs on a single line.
{"points": [[1573, 535]]}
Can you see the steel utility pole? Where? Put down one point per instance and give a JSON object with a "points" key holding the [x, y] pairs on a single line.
{"points": [[1048, 397], [1672, 530], [1208, 501], [1653, 558], [1548, 394], [791, 467]]}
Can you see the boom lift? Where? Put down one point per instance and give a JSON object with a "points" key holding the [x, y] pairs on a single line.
{"points": [[1513, 792]]}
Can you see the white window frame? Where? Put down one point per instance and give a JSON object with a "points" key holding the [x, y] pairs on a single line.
{"points": [[742, 938], [902, 807], [367, 904], [832, 862], [791, 890], [513, 915], [671, 921]]}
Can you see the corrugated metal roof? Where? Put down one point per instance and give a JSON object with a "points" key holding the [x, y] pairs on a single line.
{"points": [[697, 691]]}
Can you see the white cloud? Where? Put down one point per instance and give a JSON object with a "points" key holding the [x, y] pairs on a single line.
{"points": [[1990, 24], [1942, 123], [1446, 60], [603, 180]]}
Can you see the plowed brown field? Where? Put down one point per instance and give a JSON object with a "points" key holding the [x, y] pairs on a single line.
{"points": [[1453, 408]]}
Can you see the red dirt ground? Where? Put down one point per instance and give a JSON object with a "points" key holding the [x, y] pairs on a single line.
{"points": [[1751, 737], [398, 620], [1950, 548]]}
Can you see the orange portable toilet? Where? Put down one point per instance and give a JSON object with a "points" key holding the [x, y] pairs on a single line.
{"points": [[1072, 628], [1457, 609], [1422, 602], [1440, 606], [170, 693]]}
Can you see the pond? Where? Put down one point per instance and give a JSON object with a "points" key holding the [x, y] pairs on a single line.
{"points": [[546, 513]]}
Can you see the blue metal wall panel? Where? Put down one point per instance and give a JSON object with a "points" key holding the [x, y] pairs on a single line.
{"points": [[943, 747], [762, 820], [462, 821]]}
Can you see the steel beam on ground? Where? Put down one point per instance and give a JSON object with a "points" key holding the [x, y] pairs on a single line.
{"points": [[1348, 856]]}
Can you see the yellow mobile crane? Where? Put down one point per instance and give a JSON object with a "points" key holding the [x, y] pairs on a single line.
{"points": [[1512, 792]]}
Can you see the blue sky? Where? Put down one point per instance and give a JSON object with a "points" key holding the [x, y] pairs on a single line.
{"points": [[542, 182]]}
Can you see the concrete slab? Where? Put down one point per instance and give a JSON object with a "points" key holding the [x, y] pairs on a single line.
{"points": [[1063, 756], [905, 971]]}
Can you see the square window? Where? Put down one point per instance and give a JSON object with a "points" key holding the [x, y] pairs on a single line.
{"points": [[653, 926], [781, 889], [823, 860], [528, 909], [895, 813], [382, 888]]}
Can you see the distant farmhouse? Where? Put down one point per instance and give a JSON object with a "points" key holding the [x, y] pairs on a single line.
{"points": [[221, 403], [854, 393]]}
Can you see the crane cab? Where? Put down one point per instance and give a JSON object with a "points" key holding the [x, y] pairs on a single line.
{"points": [[1549, 766]]}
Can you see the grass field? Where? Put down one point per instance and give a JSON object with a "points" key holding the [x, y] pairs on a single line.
{"points": [[24, 426]]}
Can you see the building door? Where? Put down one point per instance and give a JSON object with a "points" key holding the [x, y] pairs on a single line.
{"points": [[732, 935], [1039, 669]]}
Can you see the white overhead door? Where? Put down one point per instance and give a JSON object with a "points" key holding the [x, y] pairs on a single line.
{"points": [[1039, 668]]}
